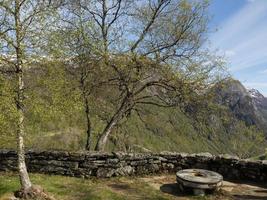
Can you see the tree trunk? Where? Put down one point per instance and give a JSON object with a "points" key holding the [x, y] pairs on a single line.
{"points": [[104, 28], [88, 123], [102, 140], [101, 143], [86, 110], [23, 173]]}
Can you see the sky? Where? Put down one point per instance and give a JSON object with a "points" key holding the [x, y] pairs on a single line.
{"points": [[239, 32]]}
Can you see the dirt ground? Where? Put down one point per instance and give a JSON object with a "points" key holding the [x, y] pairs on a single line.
{"points": [[229, 190]]}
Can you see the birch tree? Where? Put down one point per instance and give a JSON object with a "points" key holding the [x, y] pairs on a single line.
{"points": [[21, 25]]}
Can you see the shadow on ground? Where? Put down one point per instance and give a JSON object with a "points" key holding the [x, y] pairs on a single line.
{"points": [[125, 187], [172, 188]]}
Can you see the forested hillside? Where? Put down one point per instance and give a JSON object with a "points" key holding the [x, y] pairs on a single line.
{"points": [[56, 120]]}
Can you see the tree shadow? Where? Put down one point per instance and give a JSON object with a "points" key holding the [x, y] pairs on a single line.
{"points": [[173, 189], [252, 183], [120, 186]]}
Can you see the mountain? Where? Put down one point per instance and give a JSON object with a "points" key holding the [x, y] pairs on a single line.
{"points": [[260, 103], [255, 94], [248, 105], [231, 124]]}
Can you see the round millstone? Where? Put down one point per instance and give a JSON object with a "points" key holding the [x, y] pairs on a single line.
{"points": [[199, 180]]}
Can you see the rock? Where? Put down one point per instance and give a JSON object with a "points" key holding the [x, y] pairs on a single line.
{"points": [[105, 172], [227, 156], [125, 171], [205, 154]]}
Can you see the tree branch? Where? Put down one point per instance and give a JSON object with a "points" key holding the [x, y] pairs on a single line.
{"points": [[161, 5]]}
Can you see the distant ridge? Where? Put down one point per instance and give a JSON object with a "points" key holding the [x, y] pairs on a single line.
{"points": [[248, 104]]}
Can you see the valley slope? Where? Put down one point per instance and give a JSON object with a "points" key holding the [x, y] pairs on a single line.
{"points": [[233, 123]]}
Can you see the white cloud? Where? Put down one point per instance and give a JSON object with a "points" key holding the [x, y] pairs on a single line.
{"points": [[256, 84], [229, 53], [264, 71], [243, 36], [242, 39]]}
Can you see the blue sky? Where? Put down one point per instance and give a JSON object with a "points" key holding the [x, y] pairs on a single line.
{"points": [[239, 32]]}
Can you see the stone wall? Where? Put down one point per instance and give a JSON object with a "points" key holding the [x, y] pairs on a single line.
{"points": [[122, 164]]}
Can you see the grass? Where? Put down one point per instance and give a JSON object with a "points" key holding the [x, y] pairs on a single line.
{"points": [[69, 188]]}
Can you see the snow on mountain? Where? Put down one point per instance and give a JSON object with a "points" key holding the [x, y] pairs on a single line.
{"points": [[257, 97], [255, 93]]}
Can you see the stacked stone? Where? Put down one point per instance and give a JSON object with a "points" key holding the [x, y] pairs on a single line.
{"points": [[104, 165]]}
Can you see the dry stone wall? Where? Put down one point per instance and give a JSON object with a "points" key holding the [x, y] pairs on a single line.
{"points": [[104, 165]]}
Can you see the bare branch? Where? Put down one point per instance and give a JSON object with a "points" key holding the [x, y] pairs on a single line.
{"points": [[155, 12]]}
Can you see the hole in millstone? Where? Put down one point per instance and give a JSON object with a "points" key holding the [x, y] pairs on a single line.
{"points": [[198, 174]]}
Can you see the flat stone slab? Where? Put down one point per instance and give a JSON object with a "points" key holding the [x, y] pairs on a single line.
{"points": [[199, 179]]}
